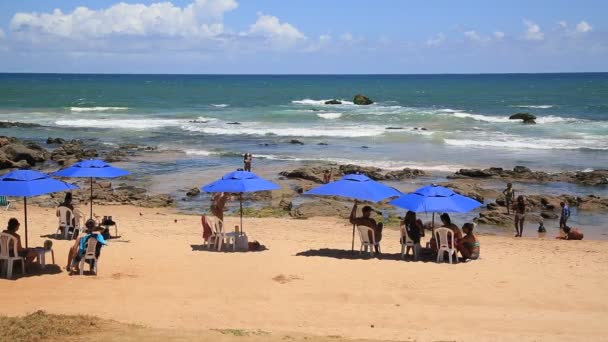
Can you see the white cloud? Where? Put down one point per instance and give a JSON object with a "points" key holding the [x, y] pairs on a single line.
{"points": [[272, 28], [563, 24], [499, 35], [472, 35], [325, 38], [533, 31], [436, 40], [583, 27], [347, 37], [202, 18]]}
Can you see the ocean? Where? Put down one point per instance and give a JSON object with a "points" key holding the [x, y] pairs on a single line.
{"points": [[439, 123]]}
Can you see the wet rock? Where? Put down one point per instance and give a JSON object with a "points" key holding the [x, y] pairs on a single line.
{"points": [[115, 156], [362, 100], [321, 207], [394, 128], [13, 124], [233, 123], [475, 173], [72, 152], [406, 173], [322, 144], [549, 215], [527, 118], [521, 169], [311, 173], [494, 218], [14, 151], [55, 141], [333, 102], [193, 192], [295, 142]]}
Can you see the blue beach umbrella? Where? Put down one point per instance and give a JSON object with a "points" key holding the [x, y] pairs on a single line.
{"points": [[435, 199], [240, 182], [28, 183], [358, 187], [93, 168]]}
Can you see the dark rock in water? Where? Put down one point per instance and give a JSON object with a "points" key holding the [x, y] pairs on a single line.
{"points": [[394, 128], [362, 100], [423, 129], [526, 117], [315, 173], [549, 215], [475, 173], [8, 124], [333, 102], [55, 141], [322, 144], [495, 218], [311, 173], [296, 142], [233, 123], [364, 146], [406, 173], [521, 169], [193, 192]]}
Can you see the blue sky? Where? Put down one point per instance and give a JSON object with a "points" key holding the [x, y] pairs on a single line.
{"points": [[296, 36]]}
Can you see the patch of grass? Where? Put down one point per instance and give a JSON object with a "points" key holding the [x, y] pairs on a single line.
{"points": [[39, 326]]}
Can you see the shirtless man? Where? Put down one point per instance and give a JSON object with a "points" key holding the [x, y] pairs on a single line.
{"points": [[367, 221], [509, 196], [218, 202]]}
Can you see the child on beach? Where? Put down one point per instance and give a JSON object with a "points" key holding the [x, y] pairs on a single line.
{"points": [[541, 227], [520, 215], [327, 176], [509, 194]]}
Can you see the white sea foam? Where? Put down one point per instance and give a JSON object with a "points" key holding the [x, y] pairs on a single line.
{"points": [[534, 106], [310, 102], [97, 109], [200, 152], [480, 117], [264, 129], [519, 143], [221, 105], [135, 124], [329, 116]]}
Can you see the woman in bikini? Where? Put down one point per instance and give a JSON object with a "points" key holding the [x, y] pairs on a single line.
{"points": [[468, 246]]}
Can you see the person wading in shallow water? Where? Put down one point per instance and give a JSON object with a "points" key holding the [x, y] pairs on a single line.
{"points": [[509, 194], [327, 176], [247, 158]]}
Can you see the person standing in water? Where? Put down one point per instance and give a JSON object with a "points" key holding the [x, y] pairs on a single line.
{"points": [[564, 216], [520, 215], [247, 157], [327, 176], [509, 194]]}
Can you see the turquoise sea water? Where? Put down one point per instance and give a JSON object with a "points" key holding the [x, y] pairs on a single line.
{"points": [[445, 121]]}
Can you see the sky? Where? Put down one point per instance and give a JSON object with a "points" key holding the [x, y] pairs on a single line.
{"points": [[303, 36]]}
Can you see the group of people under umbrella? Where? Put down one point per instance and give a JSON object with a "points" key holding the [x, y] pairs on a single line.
{"points": [[430, 199]]}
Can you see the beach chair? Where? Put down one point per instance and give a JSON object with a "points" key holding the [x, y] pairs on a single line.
{"points": [[366, 242], [90, 254], [4, 202], [407, 244], [8, 243], [444, 238], [65, 221]]}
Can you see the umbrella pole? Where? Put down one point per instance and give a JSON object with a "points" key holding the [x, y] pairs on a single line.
{"points": [[91, 217], [241, 209], [25, 209], [352, 250]]}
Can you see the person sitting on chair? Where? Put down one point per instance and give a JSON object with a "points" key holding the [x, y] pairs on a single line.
{"points": [[79, 249], [367, 221], [447, 223], [67, 203], [468, 246], [413, 227], [27, 253]]}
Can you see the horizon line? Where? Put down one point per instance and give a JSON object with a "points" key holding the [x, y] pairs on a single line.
{"points": [[302, 74]]}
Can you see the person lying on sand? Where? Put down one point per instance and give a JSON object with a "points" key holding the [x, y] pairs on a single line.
{"points": [[27, 253], [367, 221], [571, 234], [468, 246], [77, 251]]}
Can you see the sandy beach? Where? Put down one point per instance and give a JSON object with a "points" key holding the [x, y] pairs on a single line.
{"points": [[157, 275]]}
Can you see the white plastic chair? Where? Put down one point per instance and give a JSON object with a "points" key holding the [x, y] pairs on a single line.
{"points": [[444, 237], [64, 221], [78, 223], [408, 244], [364, 234], [89, 254], [4, 202], [8, 243]]}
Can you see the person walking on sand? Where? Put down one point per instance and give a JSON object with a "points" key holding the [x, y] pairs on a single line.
{"points": [[509, 194], [564, 216], [327, 176], [520, 215], [367, 221]]}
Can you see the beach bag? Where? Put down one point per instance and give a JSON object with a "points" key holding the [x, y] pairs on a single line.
{"points": [[254, 246]]}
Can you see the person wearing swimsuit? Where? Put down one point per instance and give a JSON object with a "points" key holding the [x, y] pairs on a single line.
{"points": [[468, 246]]}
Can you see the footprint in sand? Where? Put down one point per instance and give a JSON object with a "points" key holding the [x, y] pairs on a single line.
{"points": [[122, 275], [284, 279]]}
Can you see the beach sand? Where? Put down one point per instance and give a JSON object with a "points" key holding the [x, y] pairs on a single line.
{"points": [[156, 275]]}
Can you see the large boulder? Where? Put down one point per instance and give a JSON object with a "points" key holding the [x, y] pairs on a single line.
{"points": [[16, 151], [55, 141], [72, 152], [362, 100], [321, 207], [527, 118], [9, 124]]}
